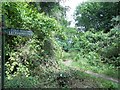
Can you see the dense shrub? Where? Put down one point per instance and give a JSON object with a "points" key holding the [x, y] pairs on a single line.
{"points": [[22, 82], [23, 54], [106, 45]]}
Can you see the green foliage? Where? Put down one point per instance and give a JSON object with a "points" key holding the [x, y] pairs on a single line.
{"points": [[22, 82], [66, 38], [39, 55], [23, 54], [15, 65], [96, 15], [108, 84], [29, 19], [106, 45]]}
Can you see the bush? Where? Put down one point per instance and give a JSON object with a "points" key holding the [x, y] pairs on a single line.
{"points": [[23, 53], [106, 45], [22, 82]]}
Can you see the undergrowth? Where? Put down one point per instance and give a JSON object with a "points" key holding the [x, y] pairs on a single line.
{"points": [[94, 64]]}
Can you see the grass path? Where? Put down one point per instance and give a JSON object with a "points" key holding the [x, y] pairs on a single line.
{"points": [[69, 64]]}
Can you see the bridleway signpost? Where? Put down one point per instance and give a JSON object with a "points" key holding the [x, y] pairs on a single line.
{"points": [[13, 32]]}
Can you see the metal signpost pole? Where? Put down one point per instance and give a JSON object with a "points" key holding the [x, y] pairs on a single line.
{"points": [[3, 52]]}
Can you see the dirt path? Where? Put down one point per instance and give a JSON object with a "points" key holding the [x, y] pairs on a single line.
{"points": [[69, 64]]}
